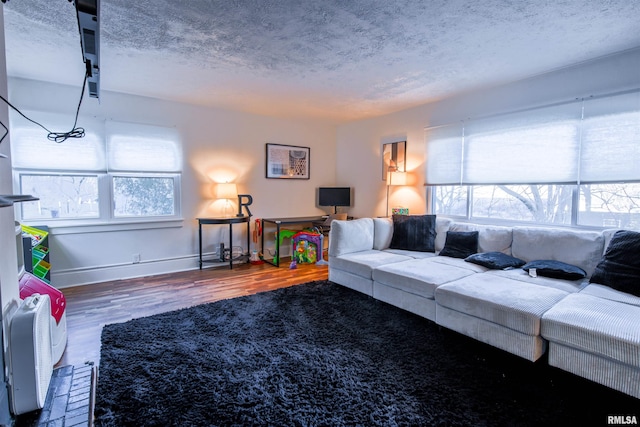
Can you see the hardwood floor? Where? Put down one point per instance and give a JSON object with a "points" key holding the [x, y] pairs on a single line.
{"points": [[90, 307]]}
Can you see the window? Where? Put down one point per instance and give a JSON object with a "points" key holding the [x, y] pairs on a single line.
{"points": [[61, 196], [543, 203], [142, 196], [451, 200], [547, 204], [610, 205], [567, 164], [117, 171]]}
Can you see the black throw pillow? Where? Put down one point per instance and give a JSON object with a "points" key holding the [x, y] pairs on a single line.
{"points": [[555, 269], [414, 233], [460, 244], [619, 268], [495, 260]]}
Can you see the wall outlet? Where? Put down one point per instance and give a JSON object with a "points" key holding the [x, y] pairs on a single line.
{"points": [[136, 258]]}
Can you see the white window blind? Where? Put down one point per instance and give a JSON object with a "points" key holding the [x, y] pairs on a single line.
{"points": [[444, 154], [143, 148], [592, 141], [30, 148], [611, 139], [534, 146]]}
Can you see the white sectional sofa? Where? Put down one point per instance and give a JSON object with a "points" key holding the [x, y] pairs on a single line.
{"points": [[590, 329]]}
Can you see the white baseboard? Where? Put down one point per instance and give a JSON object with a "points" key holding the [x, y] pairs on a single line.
{"points": [[86, 276]]}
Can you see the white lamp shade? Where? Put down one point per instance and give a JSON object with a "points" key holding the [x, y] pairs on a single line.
{"points": [[397, 178], [226, 190]]}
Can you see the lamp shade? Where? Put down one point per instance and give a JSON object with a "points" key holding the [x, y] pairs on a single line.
{"points": [[226, 190], [397, 178]]}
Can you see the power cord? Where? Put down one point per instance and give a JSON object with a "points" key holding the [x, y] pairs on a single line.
{"points": [[6, 131], [58, 137]]}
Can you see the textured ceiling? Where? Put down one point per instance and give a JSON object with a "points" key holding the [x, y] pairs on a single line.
{"points": [[335, 59]]}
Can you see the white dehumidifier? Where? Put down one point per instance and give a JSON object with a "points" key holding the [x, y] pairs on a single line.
{"points": [[30, 353]]}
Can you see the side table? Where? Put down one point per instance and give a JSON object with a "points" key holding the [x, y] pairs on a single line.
{"points": [[221, 221]]}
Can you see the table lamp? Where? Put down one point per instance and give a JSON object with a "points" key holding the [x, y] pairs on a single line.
{"points": [[226, 191]]}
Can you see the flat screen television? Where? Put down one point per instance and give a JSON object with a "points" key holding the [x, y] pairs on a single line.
{"points": [[334, 196]]}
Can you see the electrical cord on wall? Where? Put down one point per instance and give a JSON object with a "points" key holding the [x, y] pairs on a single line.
{"points": [[6, 131], [58, 137]]}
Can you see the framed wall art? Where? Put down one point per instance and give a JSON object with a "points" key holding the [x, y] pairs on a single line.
{"points": [[287, 161], [393, 158]]}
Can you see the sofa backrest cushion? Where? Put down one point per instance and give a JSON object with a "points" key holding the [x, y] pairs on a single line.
{"points": [[346, 237], [414, 233], [442, 226], [580, 248], [492, 238], [382, 233]]}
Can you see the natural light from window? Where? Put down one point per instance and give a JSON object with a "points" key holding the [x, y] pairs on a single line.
{"points": [[570, 164], [61, 196], [143, 196]]}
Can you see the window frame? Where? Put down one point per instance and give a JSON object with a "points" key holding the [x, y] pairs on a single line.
{"points": [[176, 177], [106, 214], [575, 211]]}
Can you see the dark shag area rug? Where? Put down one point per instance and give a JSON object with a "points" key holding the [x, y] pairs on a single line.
{"points": [[320, 354]]}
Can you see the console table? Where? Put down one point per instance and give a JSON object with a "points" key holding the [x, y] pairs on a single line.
{"points": [[222, 221], [286, 221]]}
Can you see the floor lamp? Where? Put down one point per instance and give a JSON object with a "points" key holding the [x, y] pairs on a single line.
{"points": [[394, 178]]}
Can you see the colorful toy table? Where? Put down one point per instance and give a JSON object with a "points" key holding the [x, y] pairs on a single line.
{"points": [[278, 222], [301, 255]]}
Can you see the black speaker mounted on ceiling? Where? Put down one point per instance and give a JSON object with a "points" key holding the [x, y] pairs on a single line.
{"points": [[88, 12]]}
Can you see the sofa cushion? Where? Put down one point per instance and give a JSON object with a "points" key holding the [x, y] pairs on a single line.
{"points": [[620, 264], [412, 254], [457, 262], [495, 260], [595, 325], [414, 232], [580, 248], [460, 244], [442, 226], [510, 303], [555, 269], [569, 286], [492, 238], [382, 233], [418, 276], [602, 291], [362, 263], [350, 236]]}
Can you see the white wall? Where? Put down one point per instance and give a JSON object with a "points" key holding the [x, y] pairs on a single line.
{"points": [[220, 140], [9, 292], [8, 260], [215, 142], [363, 139]]}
